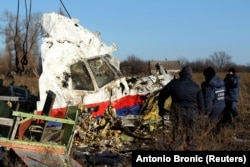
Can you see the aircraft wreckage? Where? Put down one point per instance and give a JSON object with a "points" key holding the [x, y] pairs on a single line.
{"points": [[82, 95]]}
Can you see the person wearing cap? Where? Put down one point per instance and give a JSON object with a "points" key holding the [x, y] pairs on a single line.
{"points": [[187, 105], [232, 84], [213, 89]]}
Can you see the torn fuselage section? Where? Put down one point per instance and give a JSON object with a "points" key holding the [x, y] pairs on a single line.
{"points": [[99, 84], [82, 71]]}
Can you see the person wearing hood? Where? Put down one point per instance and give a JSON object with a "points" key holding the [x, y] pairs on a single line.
{"points": [[232, 84], [187, 105], [213, 89]]}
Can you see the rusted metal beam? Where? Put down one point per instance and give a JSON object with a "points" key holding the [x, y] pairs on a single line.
{"points": [[31, 145]]}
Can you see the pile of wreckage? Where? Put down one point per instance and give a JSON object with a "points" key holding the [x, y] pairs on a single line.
{"points": [[110, 140]]}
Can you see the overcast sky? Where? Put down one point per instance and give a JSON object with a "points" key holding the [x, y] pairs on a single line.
{"points": [[160, 29]]}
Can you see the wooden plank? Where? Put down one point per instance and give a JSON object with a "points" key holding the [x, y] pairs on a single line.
{"points": [[6, 121], [41, 117], [68, 130], [9, 98], [15, 128]]}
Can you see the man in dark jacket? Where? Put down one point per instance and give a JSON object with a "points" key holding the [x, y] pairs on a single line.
{"points": [[213, 89], [232, 84], [187, 104]]}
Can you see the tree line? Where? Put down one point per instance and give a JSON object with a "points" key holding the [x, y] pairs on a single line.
{"points": [[220, 60], [21, 52]]}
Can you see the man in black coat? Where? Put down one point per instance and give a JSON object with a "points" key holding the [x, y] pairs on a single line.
{"points": [[187, 105], [232, 84], [213, 89]]}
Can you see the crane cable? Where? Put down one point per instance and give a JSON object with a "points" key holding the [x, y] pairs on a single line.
{"points": [[24, 60], [65, 9], [15, 38]]}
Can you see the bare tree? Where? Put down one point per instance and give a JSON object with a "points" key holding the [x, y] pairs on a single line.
{"points": [[134, 66], [184, 61], [21, 41], [208, 62], [220, 60]]}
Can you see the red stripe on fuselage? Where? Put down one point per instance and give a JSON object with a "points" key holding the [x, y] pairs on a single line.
{"points": [[124, 102]]}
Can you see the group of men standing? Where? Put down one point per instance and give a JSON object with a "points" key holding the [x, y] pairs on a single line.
{"points": [[215, 98]]}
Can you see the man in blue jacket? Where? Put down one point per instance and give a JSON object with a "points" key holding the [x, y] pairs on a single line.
{"points": [[213, 89], [232, 83], [187, 105]]}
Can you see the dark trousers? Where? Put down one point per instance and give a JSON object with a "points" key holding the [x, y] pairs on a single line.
{"points": [[184, 134], [231, 112]]}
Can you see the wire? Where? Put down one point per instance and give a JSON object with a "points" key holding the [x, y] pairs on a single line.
{"points": [[15, 38], [24, 60], [65, 9]]}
